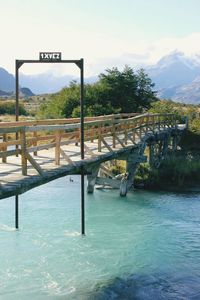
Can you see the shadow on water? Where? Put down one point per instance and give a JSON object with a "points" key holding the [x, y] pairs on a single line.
{"points": [[149, 287]]}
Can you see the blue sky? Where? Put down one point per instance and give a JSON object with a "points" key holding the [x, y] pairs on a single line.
{"points": [[105, 33]]}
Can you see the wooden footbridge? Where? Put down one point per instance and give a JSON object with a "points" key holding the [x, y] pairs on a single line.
{"points": [[33, 153]]}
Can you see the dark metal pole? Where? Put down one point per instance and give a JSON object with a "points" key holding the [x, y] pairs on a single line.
{"points": [[17, 90], [82, 150], [17, 97], [16, 211], [82, 203], [82, 110], [80, 64]]}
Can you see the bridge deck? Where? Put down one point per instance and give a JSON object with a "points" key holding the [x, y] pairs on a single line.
{"points": [[13, 181], [97, 150]]}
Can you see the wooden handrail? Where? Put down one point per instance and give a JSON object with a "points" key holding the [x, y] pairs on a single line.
{"points": [[66, 121], [45, 134], [68, 124]]}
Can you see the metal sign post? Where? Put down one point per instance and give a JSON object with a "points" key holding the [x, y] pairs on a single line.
{"points": [[82, 151], [56, 57]]}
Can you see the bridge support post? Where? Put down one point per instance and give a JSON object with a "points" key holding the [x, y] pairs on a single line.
{"points": [[128, 179], [174, 143], [16, 211], [151, 154], [91, 179], [165, 146]]}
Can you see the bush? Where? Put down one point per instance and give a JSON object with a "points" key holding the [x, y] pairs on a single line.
{"points": [[8, 107], [176, 170], [190, 141], [114, 92]]}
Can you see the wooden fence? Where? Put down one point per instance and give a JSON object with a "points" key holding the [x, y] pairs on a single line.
{"points": [[29, 137]]}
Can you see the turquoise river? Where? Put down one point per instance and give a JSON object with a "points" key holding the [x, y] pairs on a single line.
{"points": [[144, 246]]}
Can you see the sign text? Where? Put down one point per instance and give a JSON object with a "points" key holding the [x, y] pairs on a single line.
{"points": [[50, 56]]}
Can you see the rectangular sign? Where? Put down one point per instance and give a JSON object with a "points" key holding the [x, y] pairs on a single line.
{"points": [[50, 56]]}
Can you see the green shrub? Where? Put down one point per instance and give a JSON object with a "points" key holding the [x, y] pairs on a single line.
{"points": [[8, 107], [176, 170]]}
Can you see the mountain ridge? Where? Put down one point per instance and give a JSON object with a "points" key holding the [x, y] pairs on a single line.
{"points": [[176, 76], [7, 85]]}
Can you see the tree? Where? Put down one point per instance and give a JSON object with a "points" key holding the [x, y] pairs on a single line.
{"points": [[126, 90], [115, 91], [62, 104], [145, 93], [8, 107]]}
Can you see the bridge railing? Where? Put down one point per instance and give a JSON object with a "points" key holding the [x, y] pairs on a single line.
{"points": [[24, 138]]}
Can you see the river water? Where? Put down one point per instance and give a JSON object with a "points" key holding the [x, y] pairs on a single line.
{"points": [[144, 246]]}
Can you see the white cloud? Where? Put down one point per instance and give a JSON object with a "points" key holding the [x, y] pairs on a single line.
{"points": [[99, 52], [189, 45], [148, 54]]}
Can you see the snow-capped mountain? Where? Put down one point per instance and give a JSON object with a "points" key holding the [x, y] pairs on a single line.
{"points": [[174, 70], [177, 77]]}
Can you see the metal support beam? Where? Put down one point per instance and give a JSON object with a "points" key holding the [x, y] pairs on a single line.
{"points": [[80, 64], [17, 96], [82, 109], [82, 148], [16, 211], [82, 203], [17, 90]]}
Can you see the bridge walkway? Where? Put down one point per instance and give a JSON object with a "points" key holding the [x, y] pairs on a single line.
{"points": [[35, 152]]}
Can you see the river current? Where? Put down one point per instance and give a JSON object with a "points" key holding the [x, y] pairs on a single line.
{"points": [[144, 246]]}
